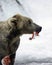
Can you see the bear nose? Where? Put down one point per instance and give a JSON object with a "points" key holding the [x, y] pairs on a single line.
{"points": [[38, 29]]}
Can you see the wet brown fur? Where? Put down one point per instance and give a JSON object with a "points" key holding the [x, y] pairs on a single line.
{"points": [[10, 32]]}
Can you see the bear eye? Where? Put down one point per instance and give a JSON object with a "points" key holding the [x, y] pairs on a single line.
{"points": [[29, 21]]}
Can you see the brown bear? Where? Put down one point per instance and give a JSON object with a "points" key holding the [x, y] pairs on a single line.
{"points": [[10, 32]]}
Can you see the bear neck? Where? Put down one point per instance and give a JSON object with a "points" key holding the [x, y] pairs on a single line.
{"points": [[13, 34]]}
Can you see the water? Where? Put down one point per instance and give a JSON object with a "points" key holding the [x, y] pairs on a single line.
{"points": [[39, 50]]}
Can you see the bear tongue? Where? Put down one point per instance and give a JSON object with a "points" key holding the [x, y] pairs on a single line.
{"points": [[36, 33]]}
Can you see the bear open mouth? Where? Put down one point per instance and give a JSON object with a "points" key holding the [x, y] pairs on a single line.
{"points": [[34, 34]]}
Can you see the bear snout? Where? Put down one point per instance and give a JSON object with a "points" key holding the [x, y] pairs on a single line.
{"points": [[38, 29]]}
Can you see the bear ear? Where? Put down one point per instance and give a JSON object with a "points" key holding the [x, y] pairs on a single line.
{"points": [[14, 16], [17, 16], [14, 22]]}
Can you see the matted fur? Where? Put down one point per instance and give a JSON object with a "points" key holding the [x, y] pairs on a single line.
{"points": [[10, 32]]}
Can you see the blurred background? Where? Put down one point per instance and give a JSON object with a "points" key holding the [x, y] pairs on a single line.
{"points": [[39, 50]]}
